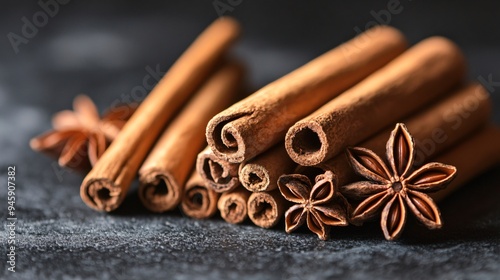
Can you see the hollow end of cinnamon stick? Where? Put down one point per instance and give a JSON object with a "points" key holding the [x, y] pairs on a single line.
{"points": [[254, 177], [261, 173], [226, 141], [265, 209], [102, 194], [233, 206], [158, 191], [260, 121], [463, 112], [199, 201], [124, 156], [218, 174], [306, 143], [424, 73]]}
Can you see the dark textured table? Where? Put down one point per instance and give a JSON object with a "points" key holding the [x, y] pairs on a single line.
{"points": [[105, 50]]}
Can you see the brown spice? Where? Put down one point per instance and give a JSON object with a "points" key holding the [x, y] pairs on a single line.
{"points": [[319, 205], [266, 209], [233, 205], [260, 121], [439, 127], [219, 175], [389, 188], [199, 201], [477, 154], [80, 137], [427, 71], [262, 172], [166, 169], [106, 185]]}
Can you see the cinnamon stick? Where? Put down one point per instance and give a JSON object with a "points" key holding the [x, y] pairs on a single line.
{"points": [[106, 185], [435, 129], [260, 121], [233, 205], [199, 201], [409, 82], [472, 157], [166, 169], [219, 175], [265, 209], [262, 172]]}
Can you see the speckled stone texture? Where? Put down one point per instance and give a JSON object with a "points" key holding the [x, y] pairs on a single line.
{"points": [[105, 50]]}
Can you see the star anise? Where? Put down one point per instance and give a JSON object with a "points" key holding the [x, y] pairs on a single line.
{"points": [[319, 205], [389, 188], [80, 137]]}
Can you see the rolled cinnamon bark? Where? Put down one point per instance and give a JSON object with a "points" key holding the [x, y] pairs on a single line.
{"points": [[199, 201], [465, 111], [265, 209], [415, 78], [106, 185], [260, 121], [262, 172], [233, 205], [219, 175], [166, 169], [472, 157]]}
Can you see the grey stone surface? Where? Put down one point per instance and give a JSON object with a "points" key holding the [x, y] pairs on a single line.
{"points": [[103, 50]]}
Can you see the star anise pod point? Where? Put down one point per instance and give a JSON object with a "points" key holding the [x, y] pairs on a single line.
{"points": [[315, 205], [393, 187], [81, 136]]}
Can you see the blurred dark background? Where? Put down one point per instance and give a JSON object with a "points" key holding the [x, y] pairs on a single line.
{"points": [[101, 49], [104, 49]]}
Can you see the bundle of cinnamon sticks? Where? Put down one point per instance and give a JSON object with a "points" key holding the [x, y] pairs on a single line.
{"points": [[281, 151]]}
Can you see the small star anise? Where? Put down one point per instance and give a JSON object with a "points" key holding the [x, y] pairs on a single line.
{"points": [[319, 205], [389, 188], [80, 137]]}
